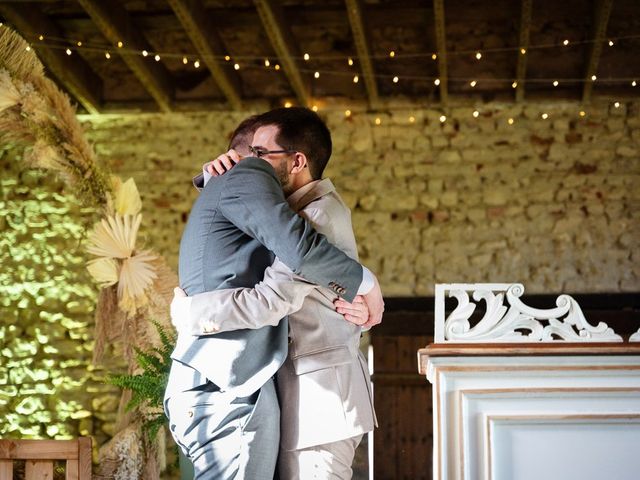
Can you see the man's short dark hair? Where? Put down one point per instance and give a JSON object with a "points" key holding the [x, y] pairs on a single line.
{"points": [[302, 130], [243, 134]]}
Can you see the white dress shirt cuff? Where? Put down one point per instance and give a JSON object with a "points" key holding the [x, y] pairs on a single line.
{"points": [[205, 175], [367, 281]]}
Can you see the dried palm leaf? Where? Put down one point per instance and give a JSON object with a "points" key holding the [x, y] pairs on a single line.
{"points": [[104, 271], [136, 275], [128, 199], [115, 236]]}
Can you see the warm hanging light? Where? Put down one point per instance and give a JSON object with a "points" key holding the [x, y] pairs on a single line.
{"points": [[157, 58], [436, 82], [523, 51], [476, 114], [185, 60], [545, 116], [378, 121], [473, 83], [266, 62], [314, 108], [514, 84], [316, 75], [565, 43], [510, 121], [412, 119], [593, 78], [144, 53], [355, 79], [107, 55], [196, 64], [478, 56], [617, 104], [350, 61], [347, 113], [120, 44], [227, 58], [236, 66], [287, 104], [555, 83], [306, 57], [392, 54], [395, 79], [68, 51], [443, 118]]}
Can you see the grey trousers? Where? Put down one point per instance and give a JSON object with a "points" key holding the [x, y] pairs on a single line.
{"points": [[227, 438], [331, 461]]}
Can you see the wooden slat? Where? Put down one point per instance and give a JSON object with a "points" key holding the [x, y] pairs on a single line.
{"points": [[441, 46], [116, 25], [360, 38], [38, 470], [525, 28], [205, 38], [73, 72], [284, 45], [39, 449], [602, 15], [84, 458], [6, 469], [71, 470]]}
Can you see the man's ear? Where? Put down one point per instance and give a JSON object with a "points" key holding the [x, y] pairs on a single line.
{"points": [[299, 162]]}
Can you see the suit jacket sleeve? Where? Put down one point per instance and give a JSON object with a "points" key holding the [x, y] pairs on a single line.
{"points": [[253, 201], [279, 294]]}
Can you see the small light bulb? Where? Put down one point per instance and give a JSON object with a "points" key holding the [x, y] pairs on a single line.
{"points": [[476, 113], [314, 108], [514, 84], [227, 58], [41, 37], [277, 67], [107, 55], [523, 51], [443, 118], [478, 56], [565, 43], [68, 51], [196, 64], [434, 56], [306, 56], [510, 121], [236, 66], [611, 43], [347, 113], [355, 79], [617, 104], [157, 58], [545, 116], [185, 60], [412, 119], [555, 83], [436, 82], [287, 104], [79, 43], [120, 44], [582, 113], [473, 83], [267, 62], [392, 54], [28, 49], [145, 53], [350, 61], [378, 121], [633, 84], [593, 78], [316, 75], [395, 79]]}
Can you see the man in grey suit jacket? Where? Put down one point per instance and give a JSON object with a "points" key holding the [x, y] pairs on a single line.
{"points": [[220, 398], [323, 386]]}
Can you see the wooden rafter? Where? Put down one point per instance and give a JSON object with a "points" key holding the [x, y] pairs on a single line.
{"points": [[356, 20], [284, 45], [195, 21], [523, 43], [441, 46], [73, 72], [114, 23], [602, 14]]}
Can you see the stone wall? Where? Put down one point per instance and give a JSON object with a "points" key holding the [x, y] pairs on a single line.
{"points": [[552, 203], [48, 386]]}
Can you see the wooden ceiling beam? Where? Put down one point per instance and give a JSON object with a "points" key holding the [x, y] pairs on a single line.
{"points": [[116, 25], [526, 7], [208, 43], [602, 14], [284, 45], [441, 47], [73, 72], [360, 38]]}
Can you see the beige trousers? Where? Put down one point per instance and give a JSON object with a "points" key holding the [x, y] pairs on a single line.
{"points": [[331, 461]]}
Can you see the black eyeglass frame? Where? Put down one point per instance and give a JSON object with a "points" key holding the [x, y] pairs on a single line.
{"points": [[258, 152]]}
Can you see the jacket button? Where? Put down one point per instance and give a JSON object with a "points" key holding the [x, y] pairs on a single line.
{"points": [[190, 413]]}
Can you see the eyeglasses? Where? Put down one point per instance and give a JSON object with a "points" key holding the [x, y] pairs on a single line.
{"points": [[260, 152]]}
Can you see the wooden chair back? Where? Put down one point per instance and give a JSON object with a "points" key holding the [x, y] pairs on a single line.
{"points": [[39, 456]]}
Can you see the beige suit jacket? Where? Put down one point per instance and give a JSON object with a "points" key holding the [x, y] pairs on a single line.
{"points": [[324, 385]]}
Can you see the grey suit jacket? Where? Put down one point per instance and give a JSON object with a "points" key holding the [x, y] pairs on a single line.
{"points": [[324, 385], [236, 223]]}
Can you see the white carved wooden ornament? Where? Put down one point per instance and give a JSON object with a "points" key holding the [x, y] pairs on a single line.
{"points": [[513, 321]]}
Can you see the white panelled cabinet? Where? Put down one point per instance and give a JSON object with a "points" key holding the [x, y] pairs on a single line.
{"points": [[516, 400]]}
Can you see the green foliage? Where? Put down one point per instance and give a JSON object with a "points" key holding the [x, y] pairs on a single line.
{"points": [[148, 387]]}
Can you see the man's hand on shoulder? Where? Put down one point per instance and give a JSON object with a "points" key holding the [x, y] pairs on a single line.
{"points": [[223, 163]]}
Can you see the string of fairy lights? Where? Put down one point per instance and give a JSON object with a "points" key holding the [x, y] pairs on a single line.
{"points": [[305, 60]]}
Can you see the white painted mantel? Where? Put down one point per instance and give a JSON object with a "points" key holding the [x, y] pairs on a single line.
{"points": [[530, 394]]}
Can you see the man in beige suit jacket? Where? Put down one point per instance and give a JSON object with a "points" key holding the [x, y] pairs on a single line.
{"points": [[324, 386]]}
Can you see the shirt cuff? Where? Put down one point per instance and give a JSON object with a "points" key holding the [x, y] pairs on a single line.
{"points": [[205, 175], [367, 281]]}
